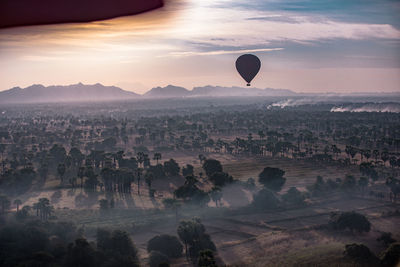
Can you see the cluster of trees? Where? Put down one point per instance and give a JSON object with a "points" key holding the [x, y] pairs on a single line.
{"points": [[190, 192], [162, 248], [35, 146], [360, 254], [193, 235], [272, 180], [35, 243], [199, 248], [352, 221]]}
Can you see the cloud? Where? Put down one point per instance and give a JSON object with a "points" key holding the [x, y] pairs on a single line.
{"points": [[42, 58], [221, 52]]}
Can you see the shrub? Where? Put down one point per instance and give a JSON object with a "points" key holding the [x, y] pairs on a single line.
{"points": [[272, 178], [166, 244]]}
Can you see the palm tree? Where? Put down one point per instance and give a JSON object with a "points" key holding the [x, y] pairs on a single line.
{"points": [[157, 157], [17, 202], [43, 208], [140, 158]]}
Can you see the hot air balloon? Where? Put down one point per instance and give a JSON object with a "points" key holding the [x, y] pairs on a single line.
{"points": [[248, 66]]}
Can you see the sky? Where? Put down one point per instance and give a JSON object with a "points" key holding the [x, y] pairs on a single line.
{"points": [[304, 45]]}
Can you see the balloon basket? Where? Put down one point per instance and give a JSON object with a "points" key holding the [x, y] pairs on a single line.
{"points": [[248, 84]]}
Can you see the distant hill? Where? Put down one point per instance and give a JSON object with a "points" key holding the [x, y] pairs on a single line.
{"points": [[218, 91], [169, 91], [38, 93], [239, 91], [71, 93]]}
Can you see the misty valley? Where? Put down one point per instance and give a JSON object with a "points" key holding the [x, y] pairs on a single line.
{"points": [[201, 181]]}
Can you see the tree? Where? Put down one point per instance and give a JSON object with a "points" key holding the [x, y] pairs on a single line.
{"points": [[157, 171], [367, 169], [349, 182], [171, 168], [157, 157], [202, 158], [294, 196], [77, 156], [265, 199], [189, 191], [360, 253], [394, 185], [350, 220], [43, 208], [122, 243], [221, 178], [212, 166], [81, 254], [166, 244], [17, 202], [81, 174], [117, 244], [61, 171], [188, 231], [319, 187], [188, 170], [140, 158], [272, 178], [192, 234], [23, 213]]}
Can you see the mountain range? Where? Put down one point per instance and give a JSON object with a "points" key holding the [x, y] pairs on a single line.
{"points": [[38, 93]]}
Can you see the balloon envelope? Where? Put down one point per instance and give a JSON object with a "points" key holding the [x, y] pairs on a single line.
{"points": [[248, 66]]}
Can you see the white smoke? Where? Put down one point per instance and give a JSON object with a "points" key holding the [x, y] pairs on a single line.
{"points": [[285, 103], [298, 102], [369, 107]]}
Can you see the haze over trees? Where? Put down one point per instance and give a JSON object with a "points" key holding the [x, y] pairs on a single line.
{"points": [[141, 183]]}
